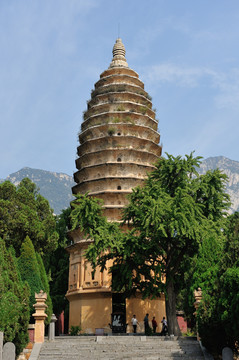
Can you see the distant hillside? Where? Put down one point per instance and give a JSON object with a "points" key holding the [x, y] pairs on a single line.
{"points": [[231, 169], [55, 187]]}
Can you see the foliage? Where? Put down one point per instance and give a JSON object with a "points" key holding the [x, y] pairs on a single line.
{"points": [[14, 300], [32, 270], [231, 248], [120, 108], [228, 284], [29, 270], [111, 131], [203, 267], [57, 264], [204, 274], [45, 288], [149, 331], [216, 271], [24, 212], [167, 218], [87, 214], [75, 330], [189, 333], [229, 303]]}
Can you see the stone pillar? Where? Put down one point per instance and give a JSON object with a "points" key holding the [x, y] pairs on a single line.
{"points": [[51, 330], [1, 344], [198, 298], [40, 316]]}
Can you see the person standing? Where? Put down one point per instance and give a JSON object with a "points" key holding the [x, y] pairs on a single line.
{"points": [[165, 327], [146, 323], [154, 324], [134, 322]]}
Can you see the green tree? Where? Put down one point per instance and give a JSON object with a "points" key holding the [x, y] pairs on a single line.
{"points": [[230, 279], [45, 287], [205, 274], [29, 270], [229, 304], [14, 300], [203, 271], [168, 218], [216, 273], [57, 264], [231, 250], [24, 212]]}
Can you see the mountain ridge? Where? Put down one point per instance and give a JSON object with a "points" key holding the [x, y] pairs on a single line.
{"points": [[56, 186]]}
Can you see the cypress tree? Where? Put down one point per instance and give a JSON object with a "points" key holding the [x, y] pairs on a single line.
{"points": [[14, 300], [45, 288], [29, 270]]}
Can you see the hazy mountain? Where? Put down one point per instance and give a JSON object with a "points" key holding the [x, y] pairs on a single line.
{"points": [[231, 169], [55, 187]]}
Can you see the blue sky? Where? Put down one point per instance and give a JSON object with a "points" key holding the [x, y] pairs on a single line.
{"points": [[53, 51]]}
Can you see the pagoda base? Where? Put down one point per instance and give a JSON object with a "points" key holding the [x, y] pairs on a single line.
{"points": [[92, 312]]}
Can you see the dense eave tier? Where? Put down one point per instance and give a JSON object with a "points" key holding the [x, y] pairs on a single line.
{"points": [[119, 140]]}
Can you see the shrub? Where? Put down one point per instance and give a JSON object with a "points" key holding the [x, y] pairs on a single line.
{"points": [[116, 120], [149, 331], [75, 330], [120, 108], [143, 110], [111, 131], [129, 120]]}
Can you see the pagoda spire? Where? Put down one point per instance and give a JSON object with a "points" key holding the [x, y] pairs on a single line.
{"points": [[118, 55]]}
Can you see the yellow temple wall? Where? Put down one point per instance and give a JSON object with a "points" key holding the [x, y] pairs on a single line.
{"points": [[137, 306], [93, 310]]}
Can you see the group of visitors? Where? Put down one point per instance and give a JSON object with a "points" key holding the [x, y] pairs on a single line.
{"points": [[164, 331]]}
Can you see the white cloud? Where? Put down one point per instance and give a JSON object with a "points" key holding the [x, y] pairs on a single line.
{"points": [[171, 73], [224, 86]]}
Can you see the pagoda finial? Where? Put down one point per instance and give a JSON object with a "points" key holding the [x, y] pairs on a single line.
{"points": [[118, 55]]}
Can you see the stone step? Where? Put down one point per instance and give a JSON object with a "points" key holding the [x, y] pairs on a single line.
{"points": [[120, 348]]}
